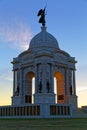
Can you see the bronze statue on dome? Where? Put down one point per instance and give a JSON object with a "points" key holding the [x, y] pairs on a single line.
{"points": [[42, 13]]}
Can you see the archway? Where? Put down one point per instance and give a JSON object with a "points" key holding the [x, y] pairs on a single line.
{"points": [[29, 87], [59, 87]]}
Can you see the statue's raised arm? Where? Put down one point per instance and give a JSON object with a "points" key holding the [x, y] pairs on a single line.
{"points": [[42, 14]]}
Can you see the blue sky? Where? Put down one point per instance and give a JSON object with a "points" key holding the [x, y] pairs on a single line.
{"points": [[65, 19]]}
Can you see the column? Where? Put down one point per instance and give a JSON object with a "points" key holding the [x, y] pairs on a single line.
{"points": [[36, 79], [74, 84], [52, 79], [21, 83], [66, 82], [13, 82], [44, 90], [66, 86], [70, 81]]}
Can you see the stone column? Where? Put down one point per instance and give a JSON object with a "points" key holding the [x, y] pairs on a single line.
{"points": [[21, 83], [52, 78], [66, 82], [44, 78], [36, 79], [74, 84], [13, 82], [67, 88]]}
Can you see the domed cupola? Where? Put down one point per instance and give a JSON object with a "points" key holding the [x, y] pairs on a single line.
{"points": [[43, 39]]}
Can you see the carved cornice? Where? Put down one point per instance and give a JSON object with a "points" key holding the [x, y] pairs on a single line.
{"points": [[44, 53]]}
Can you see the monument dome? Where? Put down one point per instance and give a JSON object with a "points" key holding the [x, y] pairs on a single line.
{"points": [[43, 39]]}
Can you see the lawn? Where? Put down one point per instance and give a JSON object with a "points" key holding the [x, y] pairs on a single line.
{"points": [[43, 124]]}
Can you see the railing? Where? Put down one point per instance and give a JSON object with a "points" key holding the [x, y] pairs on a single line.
{"points": [[58, 110], [33, 110]]}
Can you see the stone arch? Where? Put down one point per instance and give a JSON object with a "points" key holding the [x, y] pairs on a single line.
{"points": [[29, 87], [59, 86]]}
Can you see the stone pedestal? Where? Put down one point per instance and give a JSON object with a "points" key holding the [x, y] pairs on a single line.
{"points": [[73, 101], [44, 98], [17, 100]]}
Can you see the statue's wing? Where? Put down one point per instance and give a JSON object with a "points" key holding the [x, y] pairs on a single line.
{"points": [[39, 12]]}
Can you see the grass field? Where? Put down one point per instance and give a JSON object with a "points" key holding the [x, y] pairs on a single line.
{"points": [[43, 124]]}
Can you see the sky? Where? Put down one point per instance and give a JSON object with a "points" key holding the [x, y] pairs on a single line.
{"points": [[66, 20]]}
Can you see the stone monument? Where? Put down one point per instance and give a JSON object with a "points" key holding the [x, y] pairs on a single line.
{"points": [[44, 73], [43, 79]]}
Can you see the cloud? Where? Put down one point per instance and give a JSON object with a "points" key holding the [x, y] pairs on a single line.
{"points": [[81, 88], [17, 35], [6, 76]]}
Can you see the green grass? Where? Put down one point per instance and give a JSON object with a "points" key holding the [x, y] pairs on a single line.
{"points": [[43, 124]]}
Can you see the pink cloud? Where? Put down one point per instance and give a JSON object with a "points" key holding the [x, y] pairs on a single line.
{"points": [[17, 35]]}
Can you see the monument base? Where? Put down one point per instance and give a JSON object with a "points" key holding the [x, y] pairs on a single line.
{"points": [[17, 100], [73, 101], [44, 98]]}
